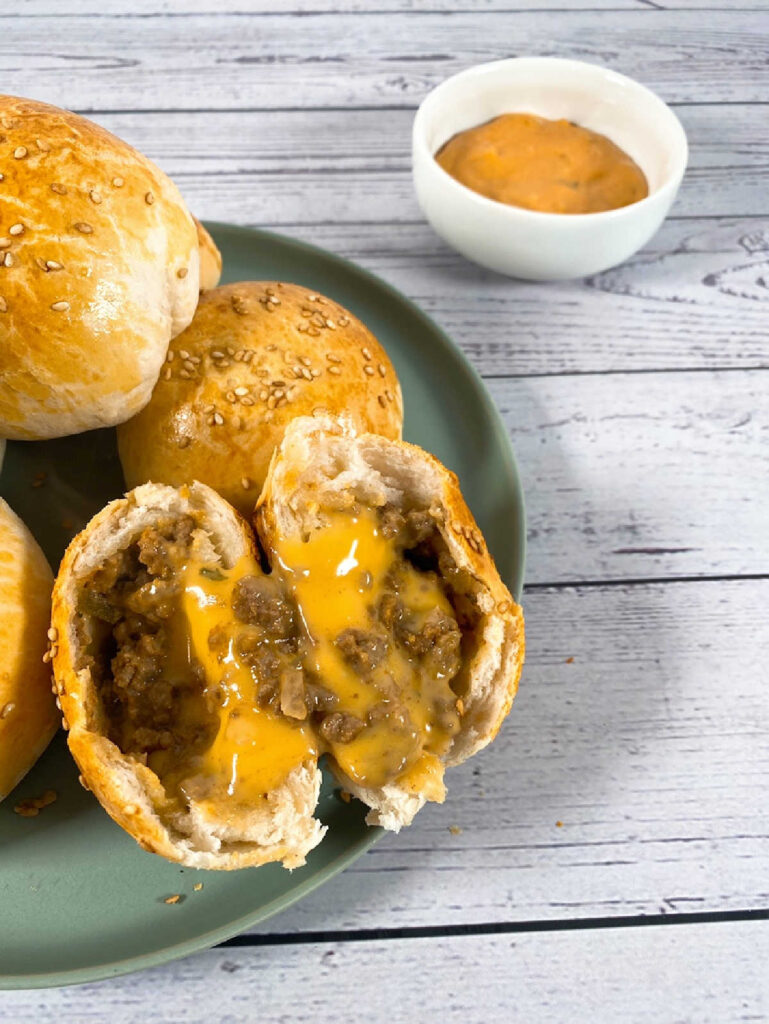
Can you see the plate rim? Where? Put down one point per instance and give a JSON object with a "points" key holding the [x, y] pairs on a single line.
{"points": [[207, 940]]}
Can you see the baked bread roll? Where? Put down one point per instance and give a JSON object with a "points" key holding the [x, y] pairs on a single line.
{"points": [[256, 356], [172, 744], [409, 623], [28, 715], [210, 259], [100, 271], [200, 692]]}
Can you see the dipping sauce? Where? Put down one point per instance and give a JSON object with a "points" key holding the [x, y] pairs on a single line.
{"points": [[550, 166]]}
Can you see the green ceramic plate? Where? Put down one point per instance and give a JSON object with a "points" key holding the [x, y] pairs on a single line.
{"points": [[78, 899]]}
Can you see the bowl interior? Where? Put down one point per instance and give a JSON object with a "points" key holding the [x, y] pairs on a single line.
{"points": [[594, 97]]}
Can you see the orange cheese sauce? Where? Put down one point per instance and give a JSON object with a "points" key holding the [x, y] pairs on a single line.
{"points": [[539, 164]]}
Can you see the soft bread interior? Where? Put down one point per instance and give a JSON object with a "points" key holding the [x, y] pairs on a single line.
{"points": [[323, 469], [190, 817]]}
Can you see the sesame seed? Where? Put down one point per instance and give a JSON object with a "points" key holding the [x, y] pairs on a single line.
{"points": [[218, 419], [388, 395], [271, 402], [173, 899], [216, 354], [382, 370], [366, 354], [382, 401], [83, 783], [60, 307], [2, 177], [169, 356], [149, 198], [53, 265], [195, 359], [182, 272], [94, 196], [209, 408], [184, 353], [313, 298], [230, 351], [307, 375], [240, 392], [335, 370], [313, 332], [46, 659], [16, 229], [264, 394], [7, 709], [60, 190], [83, 227], [368, 370], [331, 324], [42, 146], [344, 321], [130, 809], [167, 373], [53, 633], [20, 152], [5, 243], [332, 358], [189, 365], [3, 305], [304, 361], [247, 401], [314, 373], [185, 374], [118, 182], [270, 347], [8, 261], [245, 483]]}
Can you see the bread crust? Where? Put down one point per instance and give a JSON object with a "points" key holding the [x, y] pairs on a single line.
{"points": [[320, 457], [100, 271], [210, 259], [266, 352], [129, 791], [28, 714]]}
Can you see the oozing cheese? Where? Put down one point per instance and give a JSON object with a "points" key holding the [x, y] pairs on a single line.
{"points": [[254, 750], [338, 576]]}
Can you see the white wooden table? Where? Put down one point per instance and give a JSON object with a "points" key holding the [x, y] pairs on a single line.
{"points": [[608, 857]]}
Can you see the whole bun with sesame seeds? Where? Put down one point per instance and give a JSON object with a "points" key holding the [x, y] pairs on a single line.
{"points": [[256, 355], [28, 714], [99, 271]]}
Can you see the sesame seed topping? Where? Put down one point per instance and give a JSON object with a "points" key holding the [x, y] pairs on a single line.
{"points": [[20, 152], [307, 375], [3, 305], [184, 353], [167, 373], [313, 298], [218, 419], [60, 190], [83, 783], [60, 307], [42, 146], [5, 243], [53, 634], [331, 324], [8, 261], [7, 709], [130, 809], [245, 483], [189, 365], [169, 356], [388, 395], [2, 177], [366, 354], [173, 899], [182, 272], [332, 358], [344, 321], [216, 354], [335, 370], [240, 392], [185, 374], [16, 229], [368, 370], [118, 182], [264, 394], [382, 401], [382, 370], [94, 196], [83, 227], [41, 263], [247, 400], [149, 198], [271, 402]]}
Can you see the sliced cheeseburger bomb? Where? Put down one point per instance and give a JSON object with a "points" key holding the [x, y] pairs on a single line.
{"points": [[158, 673], [200, 692], [412, 646], [256, 356], [28, 714], [99, 270]]}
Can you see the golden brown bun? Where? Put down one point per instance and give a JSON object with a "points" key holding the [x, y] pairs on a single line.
{"points": [[100, 271], [322, 463], [202, 836], [28, 715], [256, 355], [210, 259]]}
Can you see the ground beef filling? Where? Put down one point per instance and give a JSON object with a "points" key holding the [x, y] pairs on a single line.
{"points": [[132, 597]]}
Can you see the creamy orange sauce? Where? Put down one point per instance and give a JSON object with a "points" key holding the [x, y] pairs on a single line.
{"points": [[539, 164]]}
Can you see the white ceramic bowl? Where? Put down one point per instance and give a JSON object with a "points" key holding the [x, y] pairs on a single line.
{"points": [[526, 243]]}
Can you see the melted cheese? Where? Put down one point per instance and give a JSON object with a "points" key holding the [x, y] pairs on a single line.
{"points": [[338, 576], [254, 750]]}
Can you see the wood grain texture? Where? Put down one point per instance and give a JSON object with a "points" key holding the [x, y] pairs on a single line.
{"points": [[353, 60], [651, 748], [337, 166], [711, 974], [632, 476]]}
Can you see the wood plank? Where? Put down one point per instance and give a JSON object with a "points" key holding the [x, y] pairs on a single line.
{"points": [[339, 166], [160, 8], [641, 475], [709, 973], [693, 299], [651, 748], [350, 60]]}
